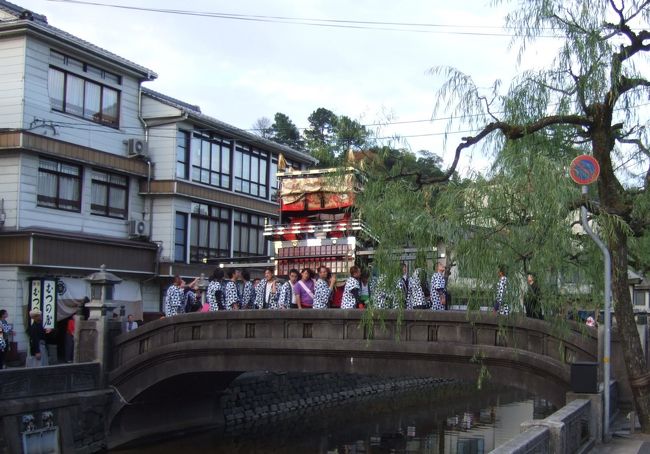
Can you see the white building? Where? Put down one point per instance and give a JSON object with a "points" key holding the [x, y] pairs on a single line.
{"points": [[94, 170]]}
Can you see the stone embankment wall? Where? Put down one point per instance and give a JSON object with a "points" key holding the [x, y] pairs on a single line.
{"points": [[254, 397], [58, 407]]}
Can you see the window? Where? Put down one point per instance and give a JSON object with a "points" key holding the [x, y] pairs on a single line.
{"points": [[248, 236], [109, 194], [83, 98], [211, 160], [59, 59], [59, 185], [209, 232], [180, 238], [182, 155], [250, 171]]}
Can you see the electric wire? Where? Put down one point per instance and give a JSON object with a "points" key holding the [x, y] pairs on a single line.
{"points": [[95, 127], [333, 23]]}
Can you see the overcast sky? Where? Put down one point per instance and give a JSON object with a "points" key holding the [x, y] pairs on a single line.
{"points": [[238, 71]]}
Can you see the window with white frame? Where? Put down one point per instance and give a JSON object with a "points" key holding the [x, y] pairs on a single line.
{"points": [[182, 155], [180, 238], [250, 171], [211, 160], [209, 232], [248, 235]]}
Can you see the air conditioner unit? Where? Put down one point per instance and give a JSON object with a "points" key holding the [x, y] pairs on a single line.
{"points": [[137, 147], [138, 229]]}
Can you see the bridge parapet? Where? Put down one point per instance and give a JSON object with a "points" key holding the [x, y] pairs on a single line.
{"points": [[566, 431], [422, 327]]}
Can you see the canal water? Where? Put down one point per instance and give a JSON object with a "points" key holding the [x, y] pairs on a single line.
{"points": [[408, 423]]}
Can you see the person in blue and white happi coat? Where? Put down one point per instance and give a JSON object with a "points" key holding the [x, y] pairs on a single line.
{"points": [[416, 297], [215, 295], [500, 305], [378, 294], [175, 297], [323, 288], [402, 293], [438, 290], [248, 292], [231, 294], [266, 292], [352, 289], [287, 295]]}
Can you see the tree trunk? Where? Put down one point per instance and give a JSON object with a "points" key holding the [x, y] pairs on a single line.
{"points": [[612, 199], [635, 363]]}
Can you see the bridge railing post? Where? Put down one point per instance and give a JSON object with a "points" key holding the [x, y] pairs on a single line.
{"points": [[93, 337]]}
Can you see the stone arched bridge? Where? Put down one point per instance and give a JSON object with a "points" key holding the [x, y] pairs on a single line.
{"points": [[522, 352]]}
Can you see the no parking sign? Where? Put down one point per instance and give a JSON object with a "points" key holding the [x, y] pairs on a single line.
{"points": [[584, 169]]}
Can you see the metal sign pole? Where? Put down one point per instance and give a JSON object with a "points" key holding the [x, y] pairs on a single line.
{"points": [[608, 305]]}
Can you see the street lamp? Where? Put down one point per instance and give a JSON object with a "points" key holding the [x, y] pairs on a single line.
{"points": [[202, 284]]}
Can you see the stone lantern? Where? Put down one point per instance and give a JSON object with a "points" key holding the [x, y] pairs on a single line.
{"points": [[93, 336], [102, 284]]}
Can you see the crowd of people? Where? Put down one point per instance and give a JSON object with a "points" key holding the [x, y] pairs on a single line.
{"points": [[306, 289]]}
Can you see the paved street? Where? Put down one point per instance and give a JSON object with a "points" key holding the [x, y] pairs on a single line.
{"points": [[629, 444], [623, 441]]}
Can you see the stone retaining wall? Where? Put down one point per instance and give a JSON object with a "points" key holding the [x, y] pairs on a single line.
{"points": [[255, 397], [63, 403]]}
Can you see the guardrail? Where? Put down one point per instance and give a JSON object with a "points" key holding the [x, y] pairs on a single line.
{"points": [[41, 381], [567, 431]]}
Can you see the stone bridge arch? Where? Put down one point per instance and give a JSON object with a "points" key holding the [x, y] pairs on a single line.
{"points": [[526, 353]]}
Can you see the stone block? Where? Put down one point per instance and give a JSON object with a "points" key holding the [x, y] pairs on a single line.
{"points": [[597, 409]]}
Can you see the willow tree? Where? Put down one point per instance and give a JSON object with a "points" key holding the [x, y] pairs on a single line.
{"points": [[588, 100]]}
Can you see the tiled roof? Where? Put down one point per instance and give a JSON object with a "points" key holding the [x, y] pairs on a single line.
{"points": [[39, 22], [182, 105], [194, 112], [17, 11]]}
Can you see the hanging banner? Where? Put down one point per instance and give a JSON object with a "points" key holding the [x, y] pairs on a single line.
{"points": [[35, 295], [42, 296], [49, 304]]}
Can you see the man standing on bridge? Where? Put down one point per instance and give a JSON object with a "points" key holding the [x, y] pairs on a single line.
{"points": [[175, 297], [232, 301], [215, 291], [438, 291], [500, 305], [266, 292], [287, 295], [401, 296], [532, 304]]}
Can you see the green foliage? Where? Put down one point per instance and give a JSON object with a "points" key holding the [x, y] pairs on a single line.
{"points": [[328, 138], [284, 131], [520, 215], [523, 213], [350, 134], [484, 374]]}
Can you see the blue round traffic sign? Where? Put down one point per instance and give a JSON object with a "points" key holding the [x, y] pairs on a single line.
{"points": [[584, 169]]}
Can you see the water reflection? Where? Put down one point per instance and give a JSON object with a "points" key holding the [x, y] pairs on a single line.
{"points": [[409, 423]]}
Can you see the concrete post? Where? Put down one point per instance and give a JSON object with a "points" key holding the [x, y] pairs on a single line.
{"points": [[92, 340], [596, 420]]}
